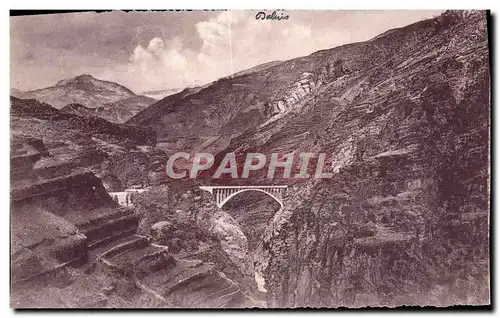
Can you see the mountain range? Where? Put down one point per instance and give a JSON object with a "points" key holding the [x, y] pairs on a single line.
{"points": [[96, 97]]}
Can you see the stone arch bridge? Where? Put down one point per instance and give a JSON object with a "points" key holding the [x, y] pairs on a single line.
{"points": [[223, 194]]}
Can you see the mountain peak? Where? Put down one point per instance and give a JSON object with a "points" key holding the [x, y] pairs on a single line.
{"points": [[84, 78], [89, 83]]}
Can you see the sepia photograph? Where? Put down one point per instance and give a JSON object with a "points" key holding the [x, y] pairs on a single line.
{"points": [[271, 159]]}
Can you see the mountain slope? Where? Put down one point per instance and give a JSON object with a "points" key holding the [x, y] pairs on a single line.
{"points": [[86, 142], [232, 106], [116, 112], [41, 120], [159, 94], [257, 68], [407, 129]]}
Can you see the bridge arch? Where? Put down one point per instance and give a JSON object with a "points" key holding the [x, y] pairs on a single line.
{"points": [[223, 194], [280, 201]]}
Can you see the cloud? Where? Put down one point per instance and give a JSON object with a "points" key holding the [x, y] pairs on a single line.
{"points": [[231, 41], [182, 48], [160, 65]]}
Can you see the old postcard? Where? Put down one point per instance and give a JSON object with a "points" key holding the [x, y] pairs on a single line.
{"points": [[242, 159]]}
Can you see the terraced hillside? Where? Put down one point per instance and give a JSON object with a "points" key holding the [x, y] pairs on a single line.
{"points": [[73, 246], [85, 142]]}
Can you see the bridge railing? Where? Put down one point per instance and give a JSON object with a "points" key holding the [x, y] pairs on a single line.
{"points": [[223, 194]]}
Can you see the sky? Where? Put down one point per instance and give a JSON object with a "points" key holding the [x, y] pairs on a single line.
{"points": [[176, 49]]}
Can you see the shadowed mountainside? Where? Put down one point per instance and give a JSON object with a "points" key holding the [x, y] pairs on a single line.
{"points": [[117, 112]]}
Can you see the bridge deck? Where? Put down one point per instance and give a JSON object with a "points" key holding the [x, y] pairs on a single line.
{"points": [[225, 193], [245, 186]]}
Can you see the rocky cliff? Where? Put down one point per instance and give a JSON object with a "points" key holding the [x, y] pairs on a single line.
{"points": [[408, 128]]}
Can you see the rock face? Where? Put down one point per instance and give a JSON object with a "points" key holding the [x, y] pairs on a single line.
{"points": [[410, 169], [188, 223], [43, 235], [306, 85]]}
